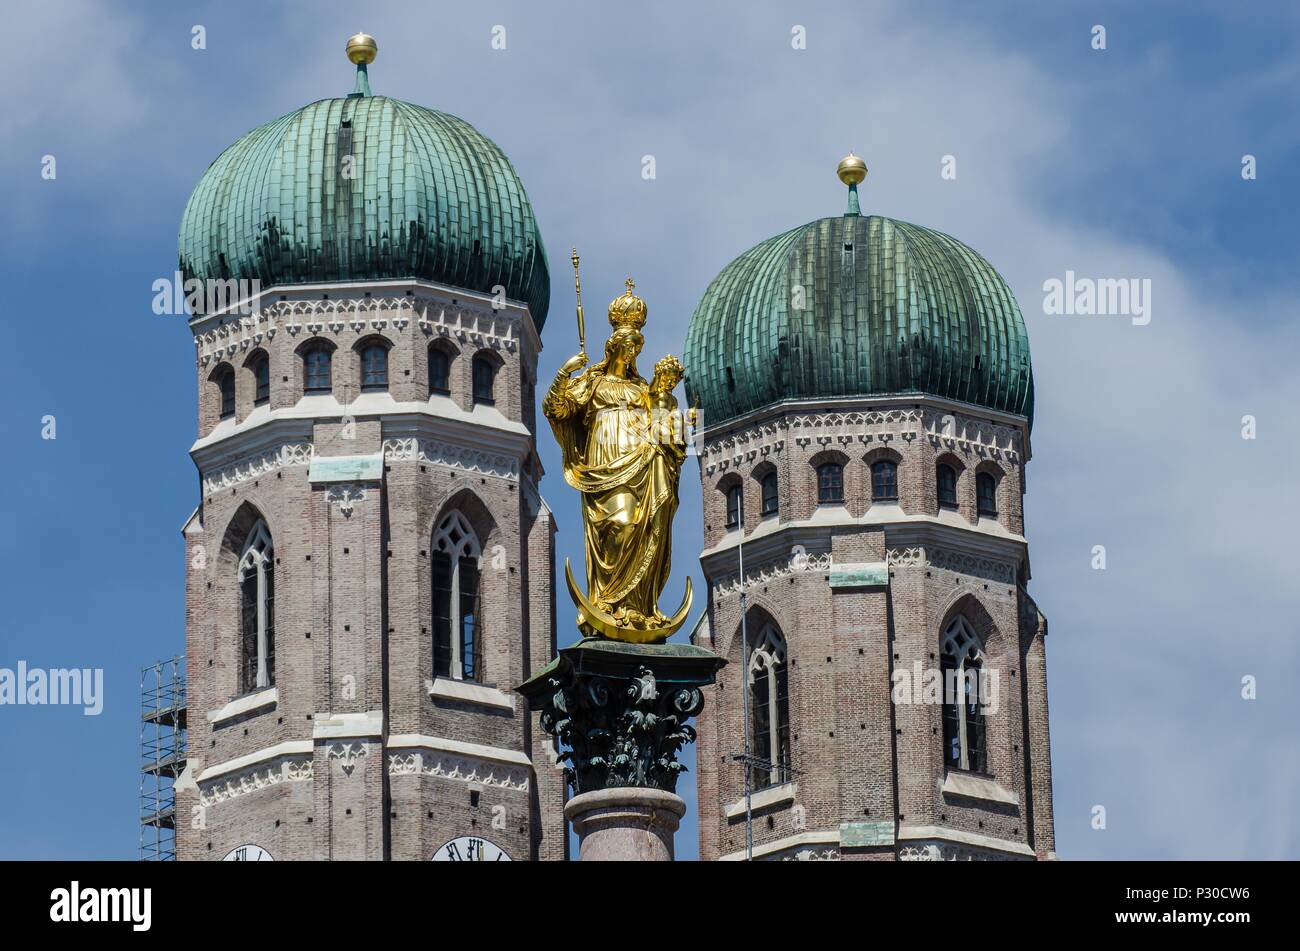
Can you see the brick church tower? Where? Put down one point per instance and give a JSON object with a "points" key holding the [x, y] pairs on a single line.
{"points": [[370, 562], [866, 399]]}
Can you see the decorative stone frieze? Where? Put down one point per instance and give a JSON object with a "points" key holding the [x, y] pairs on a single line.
{"points": [[257, 465], [462, 769], [285, 770], [437, 453]]}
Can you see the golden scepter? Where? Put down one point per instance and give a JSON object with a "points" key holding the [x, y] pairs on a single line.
{"points": [[582, 321]]}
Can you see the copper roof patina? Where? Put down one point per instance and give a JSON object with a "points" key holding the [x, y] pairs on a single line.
{"points": [[857, 306], [366, 188]]}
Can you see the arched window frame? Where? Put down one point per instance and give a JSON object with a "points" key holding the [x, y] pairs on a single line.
{"points": [[945, 485], [317, 368], [483, 378], [964, 723], [884, 481], [768, 694], [457, 645], [986, 494], [259, 367], [439, 369], [225, 380], [734, 493], [372, 359], [770, 494], [256, 584], [830, 483]]}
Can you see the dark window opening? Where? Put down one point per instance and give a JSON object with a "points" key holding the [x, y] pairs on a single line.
{"points": [[830, 483], [947, 486], [986, 492], [964, 744], [317, 363], [439, 371], [441, 614], [467, 622], [884, 482], [769, 698], [262, 380], [771, 500], [374, 368], [484, 376], [735, 506], [226, 382]]}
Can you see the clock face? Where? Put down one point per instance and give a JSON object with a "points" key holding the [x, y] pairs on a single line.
{"points": [[248, 853], [470, 849]]}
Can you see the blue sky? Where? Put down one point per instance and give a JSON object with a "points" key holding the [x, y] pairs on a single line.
{"points": [[1116, 163]]}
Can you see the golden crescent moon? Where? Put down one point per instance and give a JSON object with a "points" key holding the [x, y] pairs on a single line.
{"points": [[592, 617]]}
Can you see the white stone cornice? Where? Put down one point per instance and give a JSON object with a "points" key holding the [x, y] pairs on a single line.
{"points": [[334, 726], [419, 417], [863, 423], [774, 538], [920, 836], [290, 748], [255, 465], [458, 769], [1003, 570], [830, 837], [958, 783], [448, 688], [767, 571], [459, 747], [777, 795], [419, 755], [267, 697], [283, 770], [436, 308], [448, 455]]}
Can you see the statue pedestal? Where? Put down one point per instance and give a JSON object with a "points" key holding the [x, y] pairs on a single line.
{"points": [[618, 713], [627, 824]]}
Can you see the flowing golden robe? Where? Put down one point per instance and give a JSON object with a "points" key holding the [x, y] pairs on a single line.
{"points": [[628, 481]]}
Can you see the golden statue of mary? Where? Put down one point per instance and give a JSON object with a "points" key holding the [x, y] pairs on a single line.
{"points": [[624, 442]]}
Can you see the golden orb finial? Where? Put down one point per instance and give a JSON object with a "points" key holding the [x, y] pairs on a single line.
{"points": [[852, 170], [362, 49]]}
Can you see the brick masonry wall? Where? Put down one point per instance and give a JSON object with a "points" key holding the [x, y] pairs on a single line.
{"points": [[353, 608], [860, 757]]}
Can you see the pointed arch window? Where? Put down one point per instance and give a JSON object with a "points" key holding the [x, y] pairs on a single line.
{"points": [[257, 610], [962, 663], [457, 633], [769, 700]]}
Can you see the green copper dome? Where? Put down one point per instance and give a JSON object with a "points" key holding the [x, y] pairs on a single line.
{"points": [[425, 195], [857, 306]]}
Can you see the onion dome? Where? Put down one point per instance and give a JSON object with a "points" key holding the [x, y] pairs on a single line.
{"points": [[857, 306], [365, 188]]}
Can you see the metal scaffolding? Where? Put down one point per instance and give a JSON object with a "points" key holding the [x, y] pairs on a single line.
{"points": [[162, 755]]}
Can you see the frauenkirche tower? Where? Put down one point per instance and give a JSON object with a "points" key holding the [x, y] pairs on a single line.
{"points": [[370, 562]]}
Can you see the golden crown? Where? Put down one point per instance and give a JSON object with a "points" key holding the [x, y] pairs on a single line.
{"points": [[627, 310]]}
